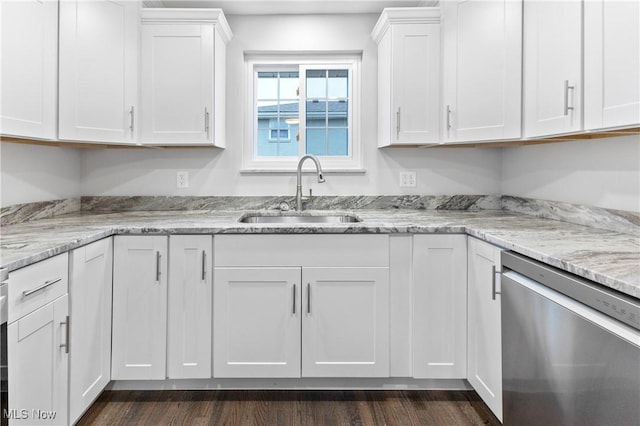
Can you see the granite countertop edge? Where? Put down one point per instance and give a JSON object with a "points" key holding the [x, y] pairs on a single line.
{"points": [[25, 244]]}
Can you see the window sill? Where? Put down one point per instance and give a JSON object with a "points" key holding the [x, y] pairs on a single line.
{"points": [[304, 170]]}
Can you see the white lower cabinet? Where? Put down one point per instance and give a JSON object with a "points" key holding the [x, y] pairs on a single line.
{"points": [[139, 339], [484, 363], [90, 336], [38, 343], [257, 324], [302, 308], [439, 306], [189, 307]]}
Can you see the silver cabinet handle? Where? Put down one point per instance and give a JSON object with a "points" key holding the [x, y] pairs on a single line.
{"points": [[398, 123], [493, 282], [204, 260], [131, 118], [206, 121], [294, 299], [448, 117], [158, 266], [308, 298], [66, 344], [567, 108], [41, 287]]}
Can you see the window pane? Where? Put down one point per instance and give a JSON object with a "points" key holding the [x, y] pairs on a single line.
{"points": [[338, 113], [266, 149], [338, 142], [267, 85], [289, 82], [316, 141], [338, 84], [316, 84], [289, 110], [316, 113]]}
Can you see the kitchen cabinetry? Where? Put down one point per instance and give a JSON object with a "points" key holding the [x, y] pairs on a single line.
{"points": [[183, 88], [98, 70], [38, 343], [611, 64], [29, 68], [439, 306], [484, 354], [552, 67], [408, 76], [189, 307], [139, 342], [482, 71], [294, 306], [90, 310]]}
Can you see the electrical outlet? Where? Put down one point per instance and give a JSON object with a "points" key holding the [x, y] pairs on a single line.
{"points": [[408, 180], [182, 180]]}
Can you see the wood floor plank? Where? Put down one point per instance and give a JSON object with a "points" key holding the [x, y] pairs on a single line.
{"points": [[289, 407]]}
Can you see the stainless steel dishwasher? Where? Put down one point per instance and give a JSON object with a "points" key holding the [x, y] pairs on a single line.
{"points": [[570, 348]]}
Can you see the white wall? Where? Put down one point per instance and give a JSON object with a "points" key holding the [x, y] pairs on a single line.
{"points": [[597, 172], [32, 173], [216, 172]]}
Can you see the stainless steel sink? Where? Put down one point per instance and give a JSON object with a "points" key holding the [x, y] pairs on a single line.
{"points": [[338, 218]]}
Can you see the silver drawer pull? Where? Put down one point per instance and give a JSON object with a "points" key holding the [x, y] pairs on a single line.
{"points": [[157, 266], [294, 299], [42, 287], [493, 282], [309, 298]]}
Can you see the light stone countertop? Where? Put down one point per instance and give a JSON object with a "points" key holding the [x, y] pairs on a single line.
{"points": [[606, 257]]}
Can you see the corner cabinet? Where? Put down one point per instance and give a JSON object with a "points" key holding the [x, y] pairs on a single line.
{"points": [[611, 64], [98, 71], [552, 62], [408, 76], [183, 60], [90, 298], [484, 337], [482, 70], [294, 306], [439, 323], [29, 68]]}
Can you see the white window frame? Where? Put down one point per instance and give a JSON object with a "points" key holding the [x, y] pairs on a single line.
{"points": [[259, 62]]}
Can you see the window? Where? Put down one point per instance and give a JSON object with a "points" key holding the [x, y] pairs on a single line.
{"points": [[298, 107]]}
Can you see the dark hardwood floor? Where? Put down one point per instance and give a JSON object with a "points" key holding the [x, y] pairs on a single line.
{"points": [[274, 407]]}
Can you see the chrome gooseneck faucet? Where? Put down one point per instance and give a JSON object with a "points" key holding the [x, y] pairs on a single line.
{"points": [[299, 182]]}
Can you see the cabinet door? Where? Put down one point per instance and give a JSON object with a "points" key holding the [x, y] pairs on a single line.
{"points": [[177, 87], [552, 67], [484, 363], [611, 63], [38, 355], [482, 76], [29, 68], [189, 314], [345, 323], [256, 325], [415, 83], [98, 70], [140, 308], [439, 306], [90, 310]]}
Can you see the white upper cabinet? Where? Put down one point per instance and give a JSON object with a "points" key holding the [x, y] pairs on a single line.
{"points": [[552, 67], [408, 76], [29, 68], [612, 63], [482, 71], [183, 76], [98, 70]]}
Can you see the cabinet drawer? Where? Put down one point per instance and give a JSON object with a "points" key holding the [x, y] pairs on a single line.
{"points": [[36, 285]]}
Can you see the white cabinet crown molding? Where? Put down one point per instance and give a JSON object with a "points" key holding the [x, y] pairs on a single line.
{"points": [[191, 16], [404, 15]]}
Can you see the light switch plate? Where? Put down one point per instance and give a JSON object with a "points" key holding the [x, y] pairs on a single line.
{"points": [[182, 180], [408, 180]]}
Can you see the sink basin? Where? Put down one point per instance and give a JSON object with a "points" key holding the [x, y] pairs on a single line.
{"points": [[257, 218]]}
